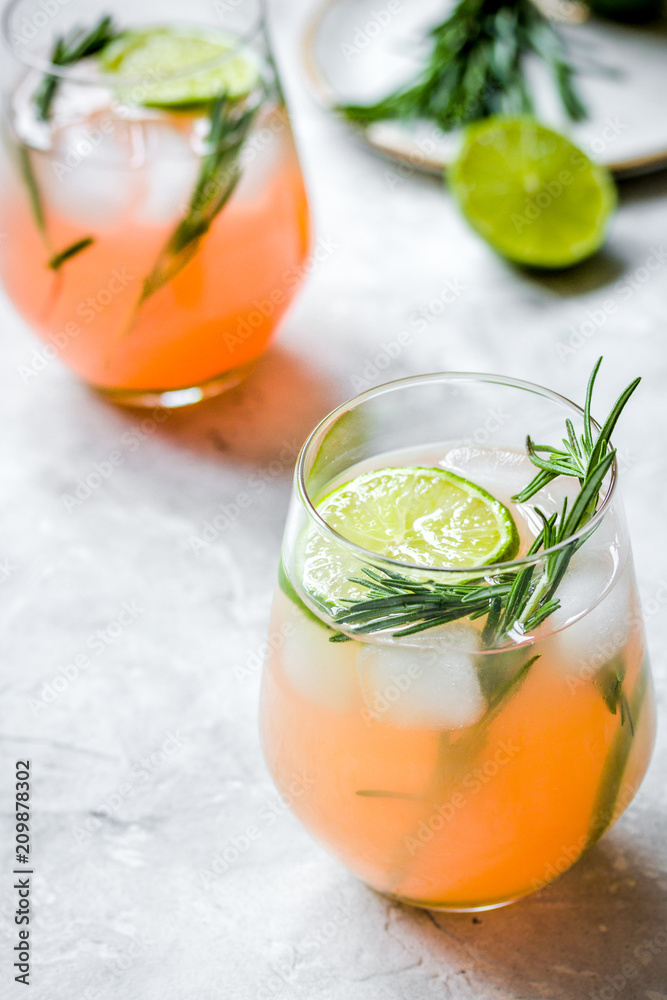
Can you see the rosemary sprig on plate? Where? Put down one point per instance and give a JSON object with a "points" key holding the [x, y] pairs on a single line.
{"points": [[514, 603], [477, 68]]}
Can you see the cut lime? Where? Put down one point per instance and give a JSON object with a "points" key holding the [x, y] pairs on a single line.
{"points": [[531, 193], [160, 58], [427, 517], [424, 517]]}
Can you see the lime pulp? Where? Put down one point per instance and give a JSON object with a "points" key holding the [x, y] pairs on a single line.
{"points": [[531, 193], [181, 67], [421, 517]]}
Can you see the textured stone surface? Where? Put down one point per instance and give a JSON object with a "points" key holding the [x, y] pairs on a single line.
{"points": [[120, 907]]}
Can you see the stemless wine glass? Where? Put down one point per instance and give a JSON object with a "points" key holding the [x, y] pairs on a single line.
{"points": [[155, 218], [448, 768]]}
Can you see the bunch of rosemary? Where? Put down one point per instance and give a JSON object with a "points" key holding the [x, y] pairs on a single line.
{"points": [[477, 68]]}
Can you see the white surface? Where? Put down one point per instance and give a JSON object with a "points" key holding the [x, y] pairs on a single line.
{"points": [[122, 902]]}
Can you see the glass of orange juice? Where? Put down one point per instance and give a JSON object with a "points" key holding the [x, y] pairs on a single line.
{"points": [[155, 218], [457, 700]]}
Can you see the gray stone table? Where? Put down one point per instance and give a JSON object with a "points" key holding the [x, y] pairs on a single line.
{"points": [[147, 764]]}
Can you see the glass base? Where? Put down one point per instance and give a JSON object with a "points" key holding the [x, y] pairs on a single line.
{"points": [[444, 908], [172, 399]]}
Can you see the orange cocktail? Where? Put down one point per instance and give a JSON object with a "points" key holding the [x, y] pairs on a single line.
{"points": [[458, 755], [154, 241]]}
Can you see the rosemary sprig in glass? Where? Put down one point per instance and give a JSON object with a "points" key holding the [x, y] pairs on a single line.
{"points": [[56, 257], [477, 68], [515, 603], [218, 175], [67, 50], [70, 49]]}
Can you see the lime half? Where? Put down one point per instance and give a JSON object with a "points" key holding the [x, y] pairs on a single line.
{"points": [[531, 193], [160, 58]]}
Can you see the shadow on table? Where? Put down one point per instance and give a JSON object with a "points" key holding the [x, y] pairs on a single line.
{"points": [[268, 415], [634, 190], [598, 933], [603, 269]]}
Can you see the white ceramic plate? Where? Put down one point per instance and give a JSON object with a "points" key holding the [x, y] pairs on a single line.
{"points": [[356, 51]]}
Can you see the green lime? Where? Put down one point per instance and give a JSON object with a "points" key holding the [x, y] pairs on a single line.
{"points": [[426, 517], [159, 58], [531, 193]]}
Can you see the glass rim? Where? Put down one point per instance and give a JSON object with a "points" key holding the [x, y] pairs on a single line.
{"points": [[490, 569], [70, 73]]}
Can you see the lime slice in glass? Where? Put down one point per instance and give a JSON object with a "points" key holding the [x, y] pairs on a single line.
{"points": [[426, 517], [531, 193], [158, 59]]}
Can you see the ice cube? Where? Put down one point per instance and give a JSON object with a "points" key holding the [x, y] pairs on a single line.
{"points": [[505, 472], [169, 175], [88, 174], [264, 150], [502, 472], [429, 683], [323, 672], [594, 637]]}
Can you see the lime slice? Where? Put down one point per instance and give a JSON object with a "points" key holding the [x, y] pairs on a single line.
{"points": [[531, 193], [161, 57], [426, 517]]}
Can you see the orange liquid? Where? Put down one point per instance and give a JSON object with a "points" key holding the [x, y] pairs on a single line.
{"points": [[214, 316], [468, 823]]}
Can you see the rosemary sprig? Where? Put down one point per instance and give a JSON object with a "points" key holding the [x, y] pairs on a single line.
{"points": [[407, 606], [219, 174], [579, 456], [58, 259], [32, 187], [477, 67], [605, 809], [514, 603], [67, 50]]}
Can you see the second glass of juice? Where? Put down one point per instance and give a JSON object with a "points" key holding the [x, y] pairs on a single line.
{"points": [[445, 768], [155, 215]]}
